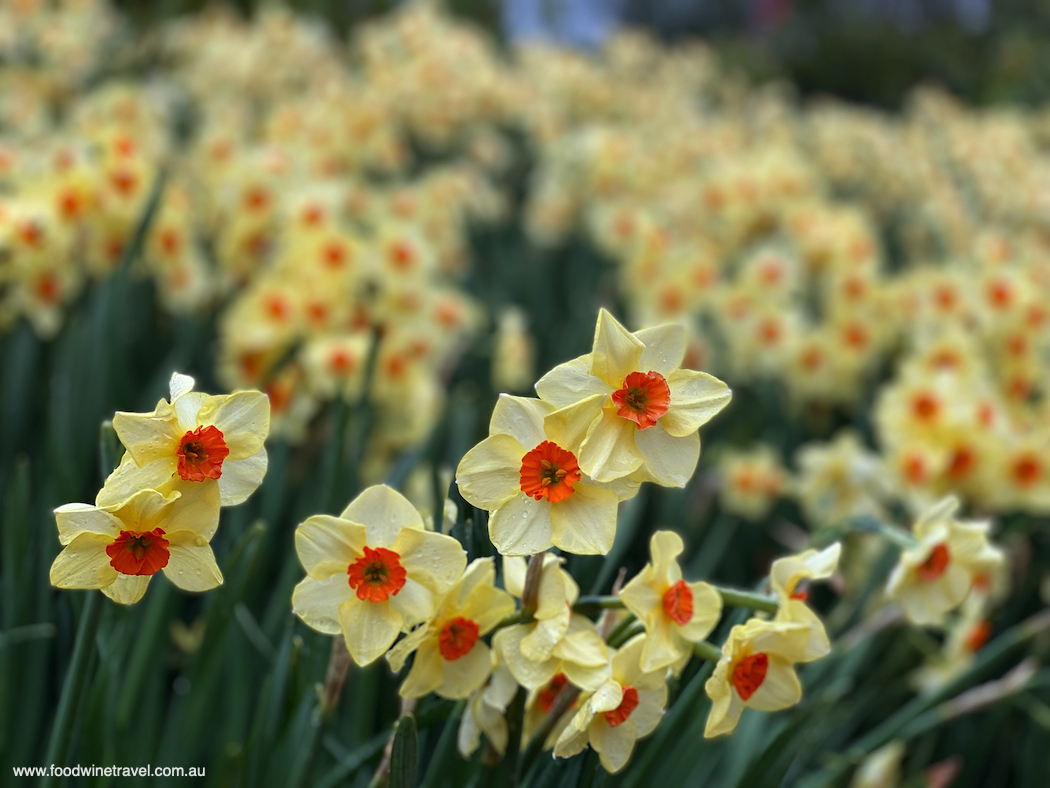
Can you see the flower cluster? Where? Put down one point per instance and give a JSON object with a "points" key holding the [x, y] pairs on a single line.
{"points": [[159, 509]]}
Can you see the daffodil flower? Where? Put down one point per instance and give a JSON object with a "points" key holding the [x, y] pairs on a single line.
{"points": [[534, 487], [676, 614], [373, 571], [451, 658], [622, 710], [486, 712], [790, 578], [934, 577], [119, 547], [557, 641], [626, 408], [194, 439], [756, 671]]}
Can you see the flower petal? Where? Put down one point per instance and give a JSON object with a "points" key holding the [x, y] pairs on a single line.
{"points": [[585, 522], [617, 352], [521, 418], [613, 745], [179, 385], [528, 673], [490, 473], [669, 461], [243, 418], [426, 674], [317, 602], [149, 436], [129, 478], [570, 382], [328, 545], [664, 348], [521, 526], [779, 690], [434, 560], [696, 397], [240, 478], [369, 628], [74, 519], [568, 426], [84, 563], [609, 451], [127, 589], [191, 565], [385, 512], [466, 674], [196, 510]]}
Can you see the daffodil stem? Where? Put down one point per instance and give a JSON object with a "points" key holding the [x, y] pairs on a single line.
{"points": [[592, 605], [732, 596], [65, 718], [515, 725], [530, 594], [708, 651], [893, 533], [617, 633], [617, 640]]}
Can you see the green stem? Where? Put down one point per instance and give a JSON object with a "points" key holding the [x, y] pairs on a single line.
{"points": [[592, 605], [625, 635], [515, 725], [617, 633], [76, 676], [708, 651], [732, 596], [562, 704]]}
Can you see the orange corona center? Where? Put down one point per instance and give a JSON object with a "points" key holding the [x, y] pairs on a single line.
{"points": [[620, 714], [978, 635], [457, 638], [678, 603], [377, 575], [549, 471], [935, 565], [644, 398], [201, 452], [139, 554], [749, 673], [549, 694]]}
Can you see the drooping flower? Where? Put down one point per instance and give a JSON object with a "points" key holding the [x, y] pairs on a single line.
{"points": [[196, 438], [534, 487], [756, 671], [486, 712], [373, 571], [790, 578], [627, 408], [557, 641], [934, 577], [119, 547], [451, 658], [622, 710], [676, 614]]}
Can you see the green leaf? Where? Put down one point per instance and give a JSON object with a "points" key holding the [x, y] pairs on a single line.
{"points": [[404, 758]]}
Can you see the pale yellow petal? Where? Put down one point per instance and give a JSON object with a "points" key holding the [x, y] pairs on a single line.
{"points": [[240, 478], [384, 512], [179, 385], [74, 519], [613, 745], [317, 601], [369, 628], [243, 418], [521, 418], [490, 473], [426, 673], [707, 611], [526, 672], [650, 709], [570, 382], [521, 526], [433, 560], [464, 675], [403, 649], [669, 461], [665, 348], [186, 409], [696, 398], [196, 510], [585, 522], [83, 563], [568, 426], [129, 478], [149, 436], [617, 352], [191, 563], [415, 602], [779, 690], [145, 510], [609, 451], [328, 545], [127, 589]]}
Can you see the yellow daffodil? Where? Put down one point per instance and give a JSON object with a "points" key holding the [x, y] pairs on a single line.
{"points": [[756, 671], [934, 577], [119, 547], [676, 614], [557, 641], [534, 487], [486, 712], [451, 658], [373, 571], [790, 578], [627, 408], [622, 710], [196, 438]]}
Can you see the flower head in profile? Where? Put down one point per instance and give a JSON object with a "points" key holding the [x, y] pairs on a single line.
{"points": [[622, 710], [934, 577], [486, 712], [451, 658], [676, 614], [557, 640], [534, 487], [627, 408], [195, 439], [373, 571], [790, 578], [119, 547], [756, 671]]}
